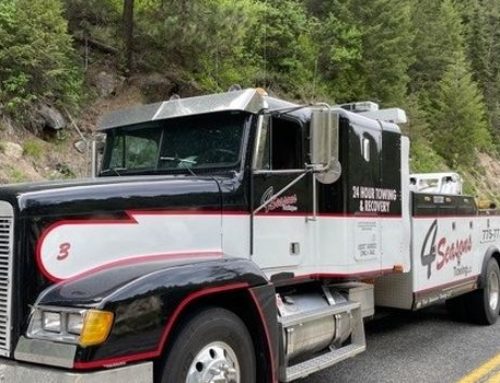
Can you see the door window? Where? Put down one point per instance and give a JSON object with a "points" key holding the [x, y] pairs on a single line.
{"points": [[280, 145]]}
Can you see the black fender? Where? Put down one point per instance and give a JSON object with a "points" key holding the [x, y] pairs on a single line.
{"points": [[492, 252], [149, 298]]}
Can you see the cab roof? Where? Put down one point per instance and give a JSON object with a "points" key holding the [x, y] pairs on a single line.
{"points": [[247, 100]]}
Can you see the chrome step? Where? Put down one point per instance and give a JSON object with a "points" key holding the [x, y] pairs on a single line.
{"points": [[329, 359]]}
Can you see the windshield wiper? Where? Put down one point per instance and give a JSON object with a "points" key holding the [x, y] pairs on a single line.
{"points": [[184, 163], [188, 168], [115, 170], [177, 159]]}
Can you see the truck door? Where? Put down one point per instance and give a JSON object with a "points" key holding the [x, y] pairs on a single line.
{"points": [[363, 174], [281, 232]]}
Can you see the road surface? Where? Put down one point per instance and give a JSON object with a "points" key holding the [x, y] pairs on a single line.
{"points": [[421, 347]]}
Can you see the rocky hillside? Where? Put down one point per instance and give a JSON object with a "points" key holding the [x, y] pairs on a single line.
{"points": [[60, 145], [486, 177], [63, 63], [59, 150]]}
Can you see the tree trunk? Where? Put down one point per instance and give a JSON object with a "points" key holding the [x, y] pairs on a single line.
{"points": [[128, 33]]}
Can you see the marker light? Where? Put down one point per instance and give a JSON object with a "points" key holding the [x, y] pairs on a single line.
{"points": [[96, 327]]}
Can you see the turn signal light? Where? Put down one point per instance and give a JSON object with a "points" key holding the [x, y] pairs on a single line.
{"points": [[96, 327]]}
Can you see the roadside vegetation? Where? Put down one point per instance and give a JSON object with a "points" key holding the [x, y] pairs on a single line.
{"points": [[438, 59]]}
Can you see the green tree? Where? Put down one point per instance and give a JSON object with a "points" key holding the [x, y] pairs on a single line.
{"points": [[438, 42], [387, 51], [339, 48], [423, 158], [37, 60], [482, 25], [457, 117], [378, 70], [442, 83], [204, 38], [283, 43]]}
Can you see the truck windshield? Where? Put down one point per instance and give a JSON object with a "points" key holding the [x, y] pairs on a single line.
{"points": [[195, 142]]}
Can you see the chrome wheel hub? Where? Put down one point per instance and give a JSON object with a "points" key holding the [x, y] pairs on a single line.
{"points": [[494, 289], [215, 363]]}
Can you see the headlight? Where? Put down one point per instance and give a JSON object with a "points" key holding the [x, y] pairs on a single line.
{"points": [[83, 327], [51, 322], [75, 323]]}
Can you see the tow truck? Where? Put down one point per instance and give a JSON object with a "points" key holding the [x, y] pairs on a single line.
{"points": [[234, 238]]}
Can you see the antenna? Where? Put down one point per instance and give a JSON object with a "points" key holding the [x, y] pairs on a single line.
{"points": [[266, 85], [314, 79]]}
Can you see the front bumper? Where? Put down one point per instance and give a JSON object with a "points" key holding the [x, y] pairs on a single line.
{"points": [[14, 372]]}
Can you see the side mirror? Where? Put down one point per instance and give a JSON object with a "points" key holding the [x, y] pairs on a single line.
{"points": [[321, 139], [325, 145], [98, 145]]}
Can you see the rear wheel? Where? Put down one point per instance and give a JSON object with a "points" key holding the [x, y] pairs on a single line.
{"points": [[484, 304], [213, 347]]}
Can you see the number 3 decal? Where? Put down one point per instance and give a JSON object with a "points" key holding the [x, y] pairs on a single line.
{"points": [[63, 251]]}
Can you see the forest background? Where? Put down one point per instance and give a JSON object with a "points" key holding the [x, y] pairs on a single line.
{"points": [[65, 62]]}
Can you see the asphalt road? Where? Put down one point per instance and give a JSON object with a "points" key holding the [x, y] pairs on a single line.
{"points": [[420, 347]]}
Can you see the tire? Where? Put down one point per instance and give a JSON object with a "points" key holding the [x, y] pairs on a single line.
{"points": [[213, 341], [484, 304]]}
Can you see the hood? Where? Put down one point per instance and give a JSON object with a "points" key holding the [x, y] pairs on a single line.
{"points": [[109, 194]]}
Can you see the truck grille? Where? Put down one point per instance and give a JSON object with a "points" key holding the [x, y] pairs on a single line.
{"points": [[6, 255]]}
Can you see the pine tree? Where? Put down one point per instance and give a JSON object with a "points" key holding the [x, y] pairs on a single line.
{"points": [[283, 40], [438, 42], [37, 59], [457, 116], [340, 48], [379, 73], [482, 20]]}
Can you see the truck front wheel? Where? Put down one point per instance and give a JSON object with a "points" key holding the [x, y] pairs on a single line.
{"points": [[486, 301], [212, 347]]}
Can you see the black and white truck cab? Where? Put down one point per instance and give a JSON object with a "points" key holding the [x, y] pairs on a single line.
{"points": [[231, 238]]}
